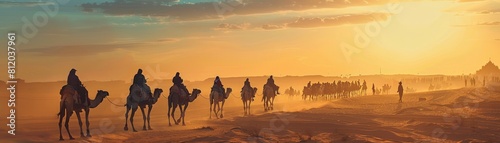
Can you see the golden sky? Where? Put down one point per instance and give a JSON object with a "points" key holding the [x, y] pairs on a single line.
{"points": [[204, 38]]}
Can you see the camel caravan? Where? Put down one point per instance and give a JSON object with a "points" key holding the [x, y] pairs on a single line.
{"points": [[74, 98], [334, 90], [340, 89]]}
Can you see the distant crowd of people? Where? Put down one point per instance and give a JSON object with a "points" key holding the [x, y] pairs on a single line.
{"points": [[339, 89]]}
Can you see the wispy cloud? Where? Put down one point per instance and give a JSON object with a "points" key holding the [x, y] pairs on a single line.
{"points": [[228, 26], [272, 26], [490, 23], [168, 40], [476, 7], [469, 0], [78, 50], [214, 10], [24, 4], [310, 22], [93, 49]]}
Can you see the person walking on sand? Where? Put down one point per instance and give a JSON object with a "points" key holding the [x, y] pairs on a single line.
{"points": [[373, 88], [400, 91], [465, 82]]}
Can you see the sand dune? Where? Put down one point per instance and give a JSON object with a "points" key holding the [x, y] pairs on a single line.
{"points": [[458, 115]]}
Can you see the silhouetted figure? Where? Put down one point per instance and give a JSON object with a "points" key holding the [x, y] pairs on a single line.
{"points": [[247, 86], [373, 88], [73, 79], [140, 80], [472, 83], [177, 80], [465, 82], [75, 82], [218, 87], [484, 81], [270, 81], [364, 87], [400, 91]]}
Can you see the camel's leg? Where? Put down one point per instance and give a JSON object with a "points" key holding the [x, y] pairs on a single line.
{"points": [[215, 111], [173, 114], [219, 109], [126, 118], [244, 108], [180, 117], [168, 114], [210, 110], [66, 123], [248, 106], [222, 109], [211, 103], [265, 104], [80, 123], [184, 114], [61, 116], [143, 118], [87, 112], [150, 107], [272, 103], [132, 118]]}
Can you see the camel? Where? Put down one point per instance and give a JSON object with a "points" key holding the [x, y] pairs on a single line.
{"points": [[247, 97], [68, 104], [215, 98], [364, 88], [140, 98], [175, 99], [386, 88], [268, 97]]}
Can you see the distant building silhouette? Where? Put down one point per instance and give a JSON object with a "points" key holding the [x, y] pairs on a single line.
{"points": [[490, 69]]}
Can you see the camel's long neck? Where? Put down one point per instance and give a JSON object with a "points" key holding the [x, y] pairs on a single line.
{"points": [[192, 97], [155, 97], [98, 100]]}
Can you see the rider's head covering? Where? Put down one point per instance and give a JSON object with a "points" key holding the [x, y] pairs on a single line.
{"points": [[400, 82], [177, 74], [247, 79], [73, 71], [139, 71]]}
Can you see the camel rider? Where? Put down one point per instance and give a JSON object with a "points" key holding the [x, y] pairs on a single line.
{"points": [[75, 82], [247, 86], [177, 80], [140, 80], [218, 86], [270, 82]]}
